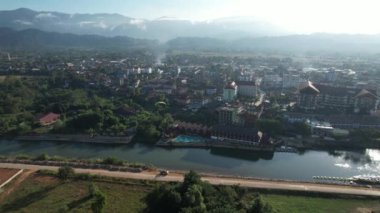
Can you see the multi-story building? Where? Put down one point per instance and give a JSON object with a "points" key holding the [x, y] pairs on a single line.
{"points": [[230, 91], [230, 115], [291, 81], [332, 75], [272, 81], [320, 96], [307, 98], [247, 89]]}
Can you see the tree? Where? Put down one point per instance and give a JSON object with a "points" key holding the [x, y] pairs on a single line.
{"points": [[112, 161], [164, 198], [100, 198], [196, 196], [42, 157], [193, 198], [302, 128], [93, 190], [271, 126], [148, 133], [191, 178], [166, 121], [99, 204], [65, 172], [259, 206]]}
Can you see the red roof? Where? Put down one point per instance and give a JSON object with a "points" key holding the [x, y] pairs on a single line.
{"points": [[49, 118]]}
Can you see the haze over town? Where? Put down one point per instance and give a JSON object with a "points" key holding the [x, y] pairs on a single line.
{"points": [[296, 16]]}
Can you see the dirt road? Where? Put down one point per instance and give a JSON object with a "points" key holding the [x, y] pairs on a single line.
{"points": [[176, 177]]}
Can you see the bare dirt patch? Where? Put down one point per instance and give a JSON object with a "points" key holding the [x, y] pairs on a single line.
{"points": [[14, 184], [45, 179], [6, 173]]}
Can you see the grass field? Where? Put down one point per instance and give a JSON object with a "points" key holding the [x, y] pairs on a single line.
{"points": [[301, 204], [40, 193], [48, 194]]}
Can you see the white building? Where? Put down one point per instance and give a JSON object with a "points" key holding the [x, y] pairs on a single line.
{"points": [[230, 91]]}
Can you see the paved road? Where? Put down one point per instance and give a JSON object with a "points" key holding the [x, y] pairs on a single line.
{"points": [[176, 177]]}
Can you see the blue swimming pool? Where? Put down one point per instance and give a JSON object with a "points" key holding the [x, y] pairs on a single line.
{"points": [[188, 139]]}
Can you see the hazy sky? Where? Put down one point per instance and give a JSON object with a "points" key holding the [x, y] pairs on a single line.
{"points": [[350, 16]]}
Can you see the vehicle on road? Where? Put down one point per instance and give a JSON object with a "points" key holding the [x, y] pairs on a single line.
{"points": [[164, 172]]}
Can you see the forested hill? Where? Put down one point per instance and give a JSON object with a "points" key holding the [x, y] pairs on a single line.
{"points": [[36, 39]]}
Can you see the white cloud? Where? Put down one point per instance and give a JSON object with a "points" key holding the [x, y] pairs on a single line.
{"points": [[138, 23], [102, 25], [45, 15], [93, 24], [83, 23], [23, 22]]}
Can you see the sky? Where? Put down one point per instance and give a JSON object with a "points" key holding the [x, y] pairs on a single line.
{"points": [[301, 16]]}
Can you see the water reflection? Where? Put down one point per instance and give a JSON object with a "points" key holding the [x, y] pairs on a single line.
{"points": [[242, 154], [364, 162], [354, 156], [372, 167]]}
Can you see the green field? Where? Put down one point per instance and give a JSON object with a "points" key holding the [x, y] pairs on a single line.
{"points": [[41, 193], [301, 204], [48, 194]]}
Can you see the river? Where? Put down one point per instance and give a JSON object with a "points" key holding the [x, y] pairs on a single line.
{"points": [[222, 161]]}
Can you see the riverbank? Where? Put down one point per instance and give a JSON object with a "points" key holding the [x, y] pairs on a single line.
{"points": [[214, 144], [215, 180], [79, 138], [316, 143], [308, 143]]}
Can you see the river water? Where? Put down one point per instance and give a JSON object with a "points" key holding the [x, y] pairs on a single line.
{"points": [[222, 161]]}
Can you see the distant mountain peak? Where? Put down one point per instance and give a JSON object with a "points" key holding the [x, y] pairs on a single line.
{"points": [[23, 9]]}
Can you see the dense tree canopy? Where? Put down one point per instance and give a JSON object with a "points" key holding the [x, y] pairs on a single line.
{"points": [[271, 126], [194, 195], [83, 109]]}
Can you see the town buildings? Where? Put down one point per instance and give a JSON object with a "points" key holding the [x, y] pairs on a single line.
{"points": [[231, 115], [344, 99], [292, 81]]}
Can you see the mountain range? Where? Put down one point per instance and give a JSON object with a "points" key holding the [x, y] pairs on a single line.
{"points": [[25, 28], [162, 29]]}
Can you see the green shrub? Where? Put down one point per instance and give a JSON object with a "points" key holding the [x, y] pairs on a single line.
{"points": [[42, 157], [65, 172], [112, 161]]}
